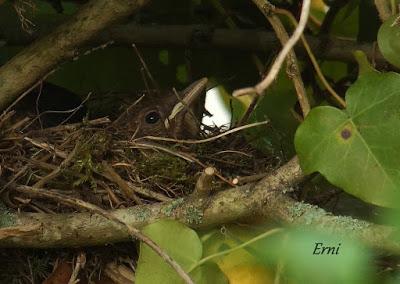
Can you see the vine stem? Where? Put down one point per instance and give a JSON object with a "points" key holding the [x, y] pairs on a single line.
{"points": [[249, 242], [313, 59]]}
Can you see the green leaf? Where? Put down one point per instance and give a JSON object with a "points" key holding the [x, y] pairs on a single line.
{"points": [[163, 56], [179, 241], [209, 273], [300, 252], [357, 149], [276, 106], [182, 74], [389, 41], [363, 64], [346, 20]]}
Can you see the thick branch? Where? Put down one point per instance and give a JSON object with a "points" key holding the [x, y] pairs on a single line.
{"points": [[32, 64], [266, 198], [203, 37]]}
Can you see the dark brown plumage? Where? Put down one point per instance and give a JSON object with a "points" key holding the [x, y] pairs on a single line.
{"points": [[165, 114]]}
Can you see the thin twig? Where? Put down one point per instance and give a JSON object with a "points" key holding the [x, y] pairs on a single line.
{"points": [[246, 179], [236, 129], [313, 59], [292, 66], [47, 147], [57, 171], [276, 66], [125, 188], [80, 263], [155, 84]]}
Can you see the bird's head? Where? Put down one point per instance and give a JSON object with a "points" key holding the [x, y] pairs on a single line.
{"points": [[167, 114]]}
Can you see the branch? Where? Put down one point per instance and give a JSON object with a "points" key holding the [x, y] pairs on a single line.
{"points": [[37, 60], [133, 231], [276, 66], [383, 9], [266, 198], [292, 66], [205, 37]]}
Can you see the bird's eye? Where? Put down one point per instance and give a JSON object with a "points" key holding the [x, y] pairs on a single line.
{"points": [[152, 117]]}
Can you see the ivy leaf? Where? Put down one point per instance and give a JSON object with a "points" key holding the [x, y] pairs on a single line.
{"points": [[357, 149], [389, 40], [179, 242], [299, 251]]}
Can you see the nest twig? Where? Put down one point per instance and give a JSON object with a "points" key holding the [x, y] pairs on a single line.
{"points": [[100, 164]]}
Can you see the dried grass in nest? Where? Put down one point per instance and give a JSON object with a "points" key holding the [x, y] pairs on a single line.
{"points": [[98, 163]]}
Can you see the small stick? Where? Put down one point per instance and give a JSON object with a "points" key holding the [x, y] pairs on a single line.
{"points": [[126, 189], [155, 84], [47, 147], [14, 178], [5, 117], [236, 129], [80, 263], [57, 171], [204, 182], [73, 126], [246, 179]]}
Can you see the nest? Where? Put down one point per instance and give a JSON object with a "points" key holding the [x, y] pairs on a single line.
{"points": [[98, 163]]}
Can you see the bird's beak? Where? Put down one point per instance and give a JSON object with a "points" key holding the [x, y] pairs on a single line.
{"points": [[188, 97], [191, 93]]}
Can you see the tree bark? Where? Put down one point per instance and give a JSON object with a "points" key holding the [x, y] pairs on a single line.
{"points": [[267, 199], [37, 60]]}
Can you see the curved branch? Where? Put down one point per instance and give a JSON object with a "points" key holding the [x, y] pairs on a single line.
{"points": [[276, 66], [32, 64]]}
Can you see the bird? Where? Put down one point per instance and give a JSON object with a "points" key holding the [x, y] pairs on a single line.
{"points": [[167, 114]]}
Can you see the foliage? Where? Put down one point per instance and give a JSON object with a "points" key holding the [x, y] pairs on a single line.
{"points": [[350, 150], [180, 242], [388, 40], [346, 146], [247, 256]]}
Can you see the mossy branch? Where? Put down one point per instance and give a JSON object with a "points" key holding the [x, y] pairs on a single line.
{"points": [[266, 198]]}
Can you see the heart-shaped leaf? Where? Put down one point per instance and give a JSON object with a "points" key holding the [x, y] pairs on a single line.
{"points": [[357, 149]]}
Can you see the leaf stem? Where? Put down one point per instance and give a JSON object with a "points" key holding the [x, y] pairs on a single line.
{"points": [[257, 238]]}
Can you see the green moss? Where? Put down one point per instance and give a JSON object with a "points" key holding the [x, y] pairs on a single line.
{"points": [[87, 159], [7, 219], [163, 165], [143, 214], [167, 211], [194, 215], [170, 171]]}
